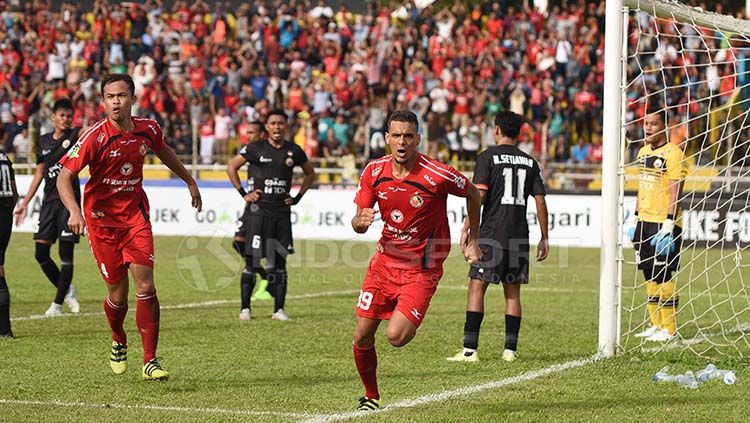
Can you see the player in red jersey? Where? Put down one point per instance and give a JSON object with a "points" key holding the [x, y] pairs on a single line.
{"points": [[117, 213], [411, 191]]}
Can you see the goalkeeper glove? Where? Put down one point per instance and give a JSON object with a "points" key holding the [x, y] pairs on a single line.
{"points": [[664, 239]]}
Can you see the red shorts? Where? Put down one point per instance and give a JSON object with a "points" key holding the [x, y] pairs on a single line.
{"points": [[115, 248], [386, 289]]}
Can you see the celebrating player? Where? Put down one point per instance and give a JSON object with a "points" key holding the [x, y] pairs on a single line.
{"points": [[411, 192], [269, 231], [505, 177], [53, 217], [117, 213], [8, 198], [657, 236], [255, 133]]}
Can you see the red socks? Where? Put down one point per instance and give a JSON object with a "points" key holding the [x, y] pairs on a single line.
{"points": [[367, 366], [147, 320], [116, 316]]}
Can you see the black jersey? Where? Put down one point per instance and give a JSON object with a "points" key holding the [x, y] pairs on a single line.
{"points": [[49, 152], [270, 170], [6, 182], [510, 176]]}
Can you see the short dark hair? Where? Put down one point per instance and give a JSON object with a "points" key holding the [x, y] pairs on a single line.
{"points": [[656, 110], [510, 123], [402, 115], [259, 124], [117, 77], [62, 104], [277, 112]]}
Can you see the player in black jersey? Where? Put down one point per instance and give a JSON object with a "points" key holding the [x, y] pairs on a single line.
{"points": [[8, 199], [53, 217], [256, 132], [506, 177], [269, 233]]}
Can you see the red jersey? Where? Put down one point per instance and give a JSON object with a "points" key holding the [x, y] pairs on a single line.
{"points": [[114, 195], [414, 210]]}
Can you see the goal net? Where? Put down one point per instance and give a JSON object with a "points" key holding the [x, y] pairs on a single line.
{"points": [[694, 66]]}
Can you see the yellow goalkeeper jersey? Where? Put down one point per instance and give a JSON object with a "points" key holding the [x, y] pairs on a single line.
{"points": [[657, 169]]}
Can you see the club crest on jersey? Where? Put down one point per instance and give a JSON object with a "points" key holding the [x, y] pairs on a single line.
{"points": [[66, 144], [376, 171], [397, 216], [74, 151], [126, 169], [658, 163], [289, 161], [143, 149], [416, 201]]}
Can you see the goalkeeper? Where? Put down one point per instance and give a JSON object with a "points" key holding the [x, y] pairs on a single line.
{"points": [[657, 234]]}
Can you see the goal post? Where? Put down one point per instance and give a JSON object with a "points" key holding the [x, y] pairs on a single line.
{"points": [[609, 310], [695, 66]]}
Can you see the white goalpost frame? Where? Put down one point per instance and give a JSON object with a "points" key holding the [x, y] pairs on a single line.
{"points": [[614, 133], [609, 277]]}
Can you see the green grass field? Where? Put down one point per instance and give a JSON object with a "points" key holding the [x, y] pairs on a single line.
{"points": [[262, 370]]}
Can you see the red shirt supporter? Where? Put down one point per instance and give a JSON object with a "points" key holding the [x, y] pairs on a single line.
{"points": [[114, 195]]}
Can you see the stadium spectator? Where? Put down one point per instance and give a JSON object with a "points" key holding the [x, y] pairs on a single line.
{"points": [[580, 153], [542, 61]]}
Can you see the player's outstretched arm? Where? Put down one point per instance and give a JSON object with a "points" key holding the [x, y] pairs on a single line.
{"points": [[473, 207], [36, 180], [465, 229], [65, 188], [541, 211], [170, 159], [363, 219]]}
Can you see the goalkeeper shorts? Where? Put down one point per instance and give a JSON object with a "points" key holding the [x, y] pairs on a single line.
{"points": [[646, 253]]}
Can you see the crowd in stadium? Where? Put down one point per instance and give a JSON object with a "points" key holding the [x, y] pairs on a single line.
{"points": [[205, 71]]}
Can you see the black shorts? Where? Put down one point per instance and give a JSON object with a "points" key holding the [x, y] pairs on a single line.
{"points": [[501, 265], [53, 223], [646, 253], [243, 222], [6, 226], [267, 235]]}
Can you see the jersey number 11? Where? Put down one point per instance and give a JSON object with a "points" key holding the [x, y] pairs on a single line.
{"points": [[507, 197]]}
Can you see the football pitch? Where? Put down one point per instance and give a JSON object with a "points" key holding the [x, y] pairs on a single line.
{"points": [[223, 369]]}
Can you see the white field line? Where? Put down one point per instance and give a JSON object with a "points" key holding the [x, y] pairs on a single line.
{"points": [[192, 305], [195, 410], [410, 403], [450, 394]]}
